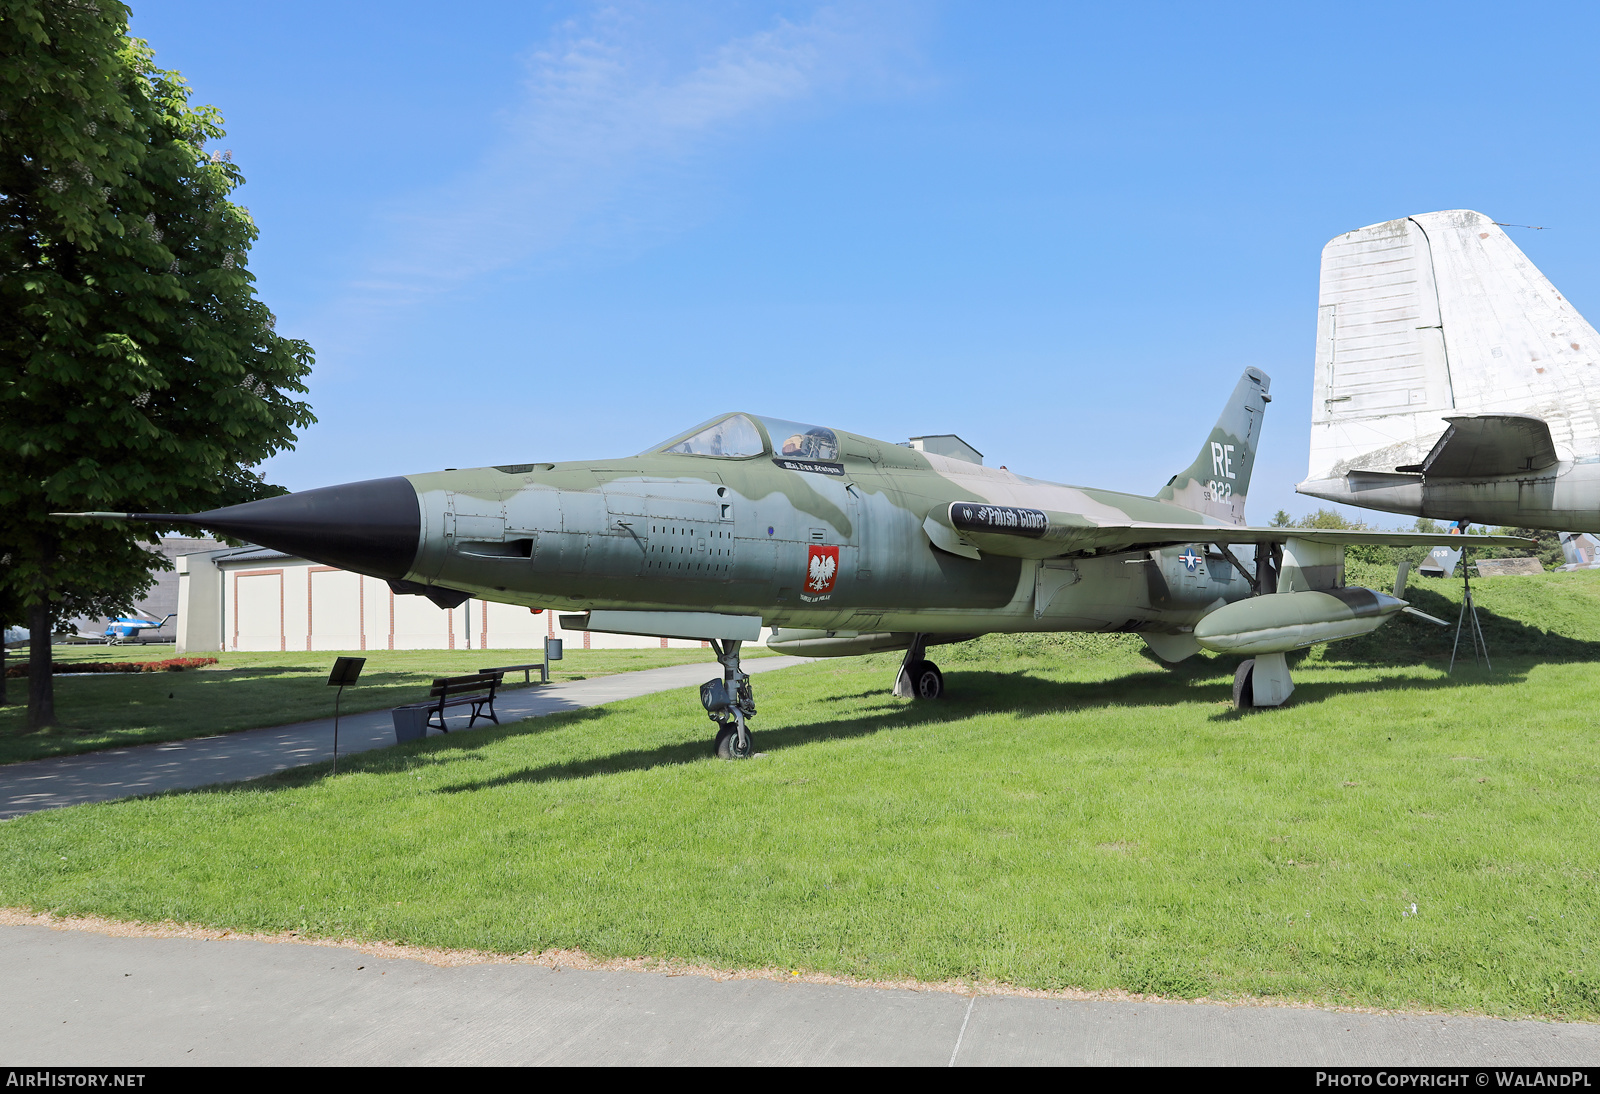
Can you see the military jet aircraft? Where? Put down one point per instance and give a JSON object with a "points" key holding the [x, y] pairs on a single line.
{"points": [[1452, 380], [845, 544]]}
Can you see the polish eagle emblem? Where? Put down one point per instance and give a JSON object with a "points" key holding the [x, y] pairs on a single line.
{"points": [[821, 569]]}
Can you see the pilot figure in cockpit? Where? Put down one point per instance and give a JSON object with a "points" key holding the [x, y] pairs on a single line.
{"points": [[814, 444]]}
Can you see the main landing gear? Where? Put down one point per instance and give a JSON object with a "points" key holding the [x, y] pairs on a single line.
{"points": [[1262, 681], [919, 678], [729, 703]]}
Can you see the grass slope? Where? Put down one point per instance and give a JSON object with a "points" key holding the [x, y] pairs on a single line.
{"points": [[1073, 816], [247, 690]]}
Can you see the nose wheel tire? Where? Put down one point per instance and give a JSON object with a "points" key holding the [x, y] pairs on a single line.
{"points": [[728, 744], [1244, 696], [927, 682]]}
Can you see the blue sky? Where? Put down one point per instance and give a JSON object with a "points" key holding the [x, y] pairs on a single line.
{"points": [[545, 231]]}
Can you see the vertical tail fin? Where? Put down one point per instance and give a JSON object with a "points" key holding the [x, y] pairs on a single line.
{"points": [[1581, 550], [1440, 315], [1218, 480], [1441, 561]]}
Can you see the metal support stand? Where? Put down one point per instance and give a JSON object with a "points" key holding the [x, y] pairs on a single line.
{"points": [[346, 671], [1468, 608], [336, 697]]}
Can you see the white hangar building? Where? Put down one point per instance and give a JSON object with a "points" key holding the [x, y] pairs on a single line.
{"points": [[252, 598]]}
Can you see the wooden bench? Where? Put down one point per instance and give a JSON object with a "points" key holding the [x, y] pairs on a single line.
{"points": [[458, 691], [526, 670]]}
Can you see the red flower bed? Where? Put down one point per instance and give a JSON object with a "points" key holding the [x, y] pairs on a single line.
{"points": [[171, 664]]}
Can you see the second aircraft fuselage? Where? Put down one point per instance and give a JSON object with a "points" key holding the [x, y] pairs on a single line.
{"points": [[1565, 496]]}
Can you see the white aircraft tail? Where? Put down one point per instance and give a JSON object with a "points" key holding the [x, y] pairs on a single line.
{"points": [[1581, 550], [1441, 315]]}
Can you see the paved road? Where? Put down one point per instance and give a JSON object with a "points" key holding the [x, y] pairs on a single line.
{"points": [[250, 753], [77, 998]]}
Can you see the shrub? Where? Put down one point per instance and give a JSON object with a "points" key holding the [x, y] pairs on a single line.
{"points": [[171, 664]]}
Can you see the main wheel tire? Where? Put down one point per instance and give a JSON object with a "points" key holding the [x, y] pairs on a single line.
{"points": [[1244, 695], [728, 744], [927, 682]]}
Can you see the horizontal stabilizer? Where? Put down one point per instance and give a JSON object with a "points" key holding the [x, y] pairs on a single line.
{"points": [[1480, 446]]}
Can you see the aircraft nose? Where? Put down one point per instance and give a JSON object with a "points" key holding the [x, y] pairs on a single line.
{"points": [[370, 527]]}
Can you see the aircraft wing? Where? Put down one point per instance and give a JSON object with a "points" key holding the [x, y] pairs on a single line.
{"points": [[1483, 445], [1037, 533]]}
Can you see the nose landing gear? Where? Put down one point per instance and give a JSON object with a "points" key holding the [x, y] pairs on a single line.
{"points": [[729, 703]]}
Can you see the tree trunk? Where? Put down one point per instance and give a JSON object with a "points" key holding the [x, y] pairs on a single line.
{"points": [[2, 662], [41, 685]]}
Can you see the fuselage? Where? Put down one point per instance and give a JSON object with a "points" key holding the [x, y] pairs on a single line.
{"points": [[1565, 496], [834, 544]]}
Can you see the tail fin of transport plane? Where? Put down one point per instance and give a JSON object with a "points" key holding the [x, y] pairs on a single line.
{"points": [[1440, 316], [1216, 483]]}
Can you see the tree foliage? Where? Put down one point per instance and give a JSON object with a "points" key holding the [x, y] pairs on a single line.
{"points": [[138, 370]]}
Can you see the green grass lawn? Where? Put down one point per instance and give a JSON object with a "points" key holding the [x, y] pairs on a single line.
{"points": [[1073, 815], [246, 690]]}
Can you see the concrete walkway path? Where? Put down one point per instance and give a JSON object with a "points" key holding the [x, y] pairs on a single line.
{"points": [[250, 753], [79, 998]]}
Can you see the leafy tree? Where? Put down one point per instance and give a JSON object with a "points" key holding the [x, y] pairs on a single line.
{"points": [[138, 371], [1331, 519]]}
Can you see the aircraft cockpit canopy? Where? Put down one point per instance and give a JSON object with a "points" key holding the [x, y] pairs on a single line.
{"points": [[736, 437], [802, 442]]}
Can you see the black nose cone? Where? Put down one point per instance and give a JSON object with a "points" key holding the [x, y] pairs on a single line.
{"points": [[370, 527]]}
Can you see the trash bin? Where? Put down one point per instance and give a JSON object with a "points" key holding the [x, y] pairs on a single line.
{"points": [[410, 723], [552, 649]]}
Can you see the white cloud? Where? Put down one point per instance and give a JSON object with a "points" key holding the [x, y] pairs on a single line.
{"points": [[609, 124]]}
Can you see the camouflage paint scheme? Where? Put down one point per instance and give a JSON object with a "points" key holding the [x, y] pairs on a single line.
{"points": [[672, 532]]}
